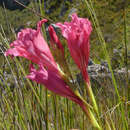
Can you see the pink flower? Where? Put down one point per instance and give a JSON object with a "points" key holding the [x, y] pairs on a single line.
{"points": [[77, 33], [53, 82], [31, 45], [55, 40]]}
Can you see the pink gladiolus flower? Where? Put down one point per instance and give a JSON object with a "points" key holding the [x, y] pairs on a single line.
{"points": [[31, 45], [77, 33], [53, 82], [55, 40]]}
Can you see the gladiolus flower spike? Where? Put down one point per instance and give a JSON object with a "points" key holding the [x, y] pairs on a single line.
{"points": [[31, 45]]}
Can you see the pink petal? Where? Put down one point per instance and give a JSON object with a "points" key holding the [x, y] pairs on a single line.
{"points": [[53, 82], [55, 39], [77, 33], [31, 44]]}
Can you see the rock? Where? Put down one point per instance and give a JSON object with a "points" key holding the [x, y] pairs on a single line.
{"points": [[101, 78], [104, 63], [12, 5]]}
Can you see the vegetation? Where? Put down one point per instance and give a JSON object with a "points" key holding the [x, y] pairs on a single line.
{"points": [[27, 105]]}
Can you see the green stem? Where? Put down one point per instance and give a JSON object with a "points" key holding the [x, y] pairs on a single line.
{"points": [[92, 98], [91, 117], [46, 93], [54, 99]]}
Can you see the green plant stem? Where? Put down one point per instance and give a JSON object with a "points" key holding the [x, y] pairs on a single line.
{"points": [[87, 109], [54, 99], [40, 112], [92, 98], [67, 113], [46, 94], [83, 125], [91, 117], [126, 51]]}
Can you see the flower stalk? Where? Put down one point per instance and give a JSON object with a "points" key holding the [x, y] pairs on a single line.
{"points": [[92, 98], [31, 45], [90, 115]]}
